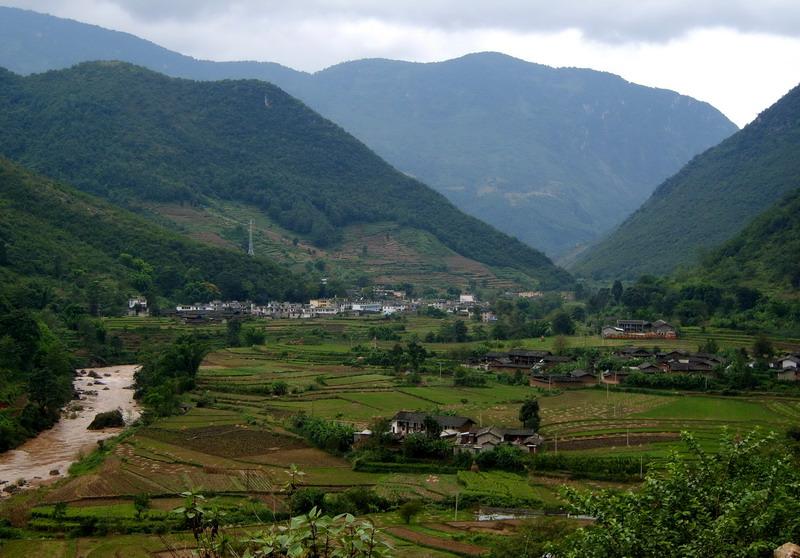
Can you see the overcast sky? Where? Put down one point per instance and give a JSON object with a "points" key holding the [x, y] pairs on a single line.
{"points": [[739, 55]]}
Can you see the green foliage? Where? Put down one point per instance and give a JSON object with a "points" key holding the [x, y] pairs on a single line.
{"points": [[497, 488], [358, 500], [331, 436], [316, 535], [468, 378], [141, 503], [306, 173], [589, 466], [166, 374], [32, 360], [504, 457], [419, 445], [711, 200], [743, 501], [409, 510], [529, 414], [306, 499]]}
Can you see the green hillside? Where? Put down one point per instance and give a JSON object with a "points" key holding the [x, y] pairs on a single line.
{"points": [[708, 201], [555, 157], [765, 254], [137, 137], [59, 247]]}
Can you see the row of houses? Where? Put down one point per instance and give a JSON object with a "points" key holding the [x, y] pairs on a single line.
{"points": [[317, 308], [464, 433], [640, 329]]}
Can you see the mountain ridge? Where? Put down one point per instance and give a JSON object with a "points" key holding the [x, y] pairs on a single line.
{"points": [[734, 181], [132, 135], [555, 157]]}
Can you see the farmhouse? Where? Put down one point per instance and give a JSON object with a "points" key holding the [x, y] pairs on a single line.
{"points": [[408, 422], [137, 306], [489, 437], [639, 329]]}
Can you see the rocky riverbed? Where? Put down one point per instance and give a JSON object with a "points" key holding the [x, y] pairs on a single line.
{"points": [[50, 454]]}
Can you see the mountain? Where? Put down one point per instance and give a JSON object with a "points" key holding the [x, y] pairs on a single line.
{"points": [[151, 142], [709, 201], [59, 244], [764, 254], [555, 157]]}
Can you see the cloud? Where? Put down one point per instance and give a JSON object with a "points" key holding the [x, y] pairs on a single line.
{"points": [[609, 21], [739, 56]]}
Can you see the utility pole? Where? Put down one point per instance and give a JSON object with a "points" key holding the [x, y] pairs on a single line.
{"points": [[250, 250]]}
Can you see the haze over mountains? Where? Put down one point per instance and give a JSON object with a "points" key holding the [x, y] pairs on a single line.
{"points": [[555, 157], [709, 201], [246, 149]]}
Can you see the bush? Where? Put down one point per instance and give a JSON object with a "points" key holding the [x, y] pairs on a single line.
{"points": [[420, 445], [410, 509], [305, 499], [468, 378], [355, 501], [504, 457], [325, 434]]}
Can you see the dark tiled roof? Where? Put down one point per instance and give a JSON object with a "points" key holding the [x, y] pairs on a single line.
{"points": [[445, 421]]}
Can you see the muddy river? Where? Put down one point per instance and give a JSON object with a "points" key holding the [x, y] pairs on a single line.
{"points": [[57, 448]]}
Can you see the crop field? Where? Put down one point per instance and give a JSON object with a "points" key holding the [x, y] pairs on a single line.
{"points": [[237, 444]]}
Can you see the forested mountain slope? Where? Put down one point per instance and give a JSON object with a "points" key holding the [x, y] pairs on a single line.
{"points": [[555, 157], [765, 255], [61, 246], [136, 137], [709, 201]]}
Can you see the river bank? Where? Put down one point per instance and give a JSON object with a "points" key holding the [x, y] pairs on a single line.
{"points": [[49, 455]]}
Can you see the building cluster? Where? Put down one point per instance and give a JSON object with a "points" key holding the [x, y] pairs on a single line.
{"points": [[391, 303], [639, 329], [540, 365], [464, 433]]}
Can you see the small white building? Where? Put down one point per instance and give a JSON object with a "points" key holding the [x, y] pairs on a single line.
{"points": [[137, 306], [466, 298]]}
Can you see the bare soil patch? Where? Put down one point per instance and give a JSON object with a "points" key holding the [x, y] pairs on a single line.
{"points": [[227, 441]]}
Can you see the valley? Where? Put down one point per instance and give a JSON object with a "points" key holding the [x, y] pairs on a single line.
{"points": [[419, 300]]}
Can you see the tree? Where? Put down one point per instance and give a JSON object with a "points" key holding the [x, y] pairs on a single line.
{"points": [[234, 333], [560, 345], [617, 290], [141, 503], [562, 324], [408, 510], [432, 427], [460, 331], [529, 414], [742, 501], [416, 354], [762, 347]]}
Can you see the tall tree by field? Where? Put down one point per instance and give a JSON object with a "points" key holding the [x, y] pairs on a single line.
{"points": [[529, 414]]}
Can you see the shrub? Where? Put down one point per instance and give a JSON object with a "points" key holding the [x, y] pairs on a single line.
{"points": [[504, 457], [328, 435], [410, 509], [305, 499]]}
